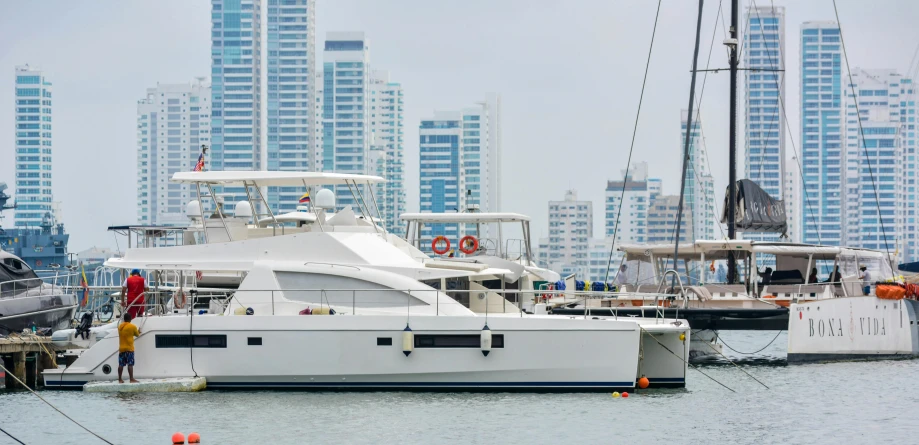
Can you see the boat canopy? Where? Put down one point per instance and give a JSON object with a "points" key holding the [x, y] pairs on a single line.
{"points": [[465, 218], [718, 249], [273, 178]]}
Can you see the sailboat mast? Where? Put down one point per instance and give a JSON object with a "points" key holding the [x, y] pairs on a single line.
{"points": [[732, 142]]}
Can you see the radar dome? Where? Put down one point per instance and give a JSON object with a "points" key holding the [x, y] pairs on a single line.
{"points": [[243, 210], [193, 209], [325, 199]]}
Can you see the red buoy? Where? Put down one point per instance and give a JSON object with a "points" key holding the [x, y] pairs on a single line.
{"points": [[194, 438], [625, 394], [178, 438]]}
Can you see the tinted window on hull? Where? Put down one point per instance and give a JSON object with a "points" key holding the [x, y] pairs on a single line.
{"points": [[456, 341], [185, 341]]}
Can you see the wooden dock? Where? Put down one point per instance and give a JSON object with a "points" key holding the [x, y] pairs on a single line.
{"points": [[26, 356]]}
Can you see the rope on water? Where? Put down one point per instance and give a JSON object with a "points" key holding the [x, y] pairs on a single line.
{"points": [[718, 337], [735, 364], [685, 361], [52, 406], [12, 437]]}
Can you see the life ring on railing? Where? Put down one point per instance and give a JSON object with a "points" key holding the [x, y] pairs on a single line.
{"points": [[436, 241], [464, 243], [179, 300]]}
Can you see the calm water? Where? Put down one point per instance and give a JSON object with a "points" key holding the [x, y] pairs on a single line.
{"points": [[866, 403]]}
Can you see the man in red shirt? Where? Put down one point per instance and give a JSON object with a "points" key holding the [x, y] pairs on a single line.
{"points": [[134, 288]]}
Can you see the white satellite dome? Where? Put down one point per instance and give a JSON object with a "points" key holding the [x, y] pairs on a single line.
{"points": [[193, 209], [325, 199], [243, 210]]}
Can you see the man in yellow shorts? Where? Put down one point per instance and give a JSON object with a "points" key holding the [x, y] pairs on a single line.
{"points": [[126, 333]]}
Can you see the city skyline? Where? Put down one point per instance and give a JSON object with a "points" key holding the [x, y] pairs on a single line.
{"points": [[522, 112]]}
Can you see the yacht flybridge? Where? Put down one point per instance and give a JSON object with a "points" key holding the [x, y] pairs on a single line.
{"points": [[332, 300]]}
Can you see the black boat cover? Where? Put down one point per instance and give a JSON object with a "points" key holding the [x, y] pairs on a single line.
{"points": [[755, 210]]}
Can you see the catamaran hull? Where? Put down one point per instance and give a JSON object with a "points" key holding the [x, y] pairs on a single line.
{"points": [[853, 328], [366, 353]]}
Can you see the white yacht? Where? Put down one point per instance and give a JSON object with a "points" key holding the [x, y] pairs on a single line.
{"points": [[338, 303]]}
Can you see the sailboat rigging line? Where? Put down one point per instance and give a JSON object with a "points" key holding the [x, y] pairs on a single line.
{"points": [[12, 437], [794, 148], [625, 179], [692, 98], [861, 132], [8, 373], [683, 358]]}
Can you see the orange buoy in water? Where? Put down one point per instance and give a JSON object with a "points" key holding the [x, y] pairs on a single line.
{"points": [[194, 438], [625, 394], [643, 383], [178, 438]]}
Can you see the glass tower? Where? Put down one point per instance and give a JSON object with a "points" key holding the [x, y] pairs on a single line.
{"points": [[821, 133], [33, 193], [236, 98], [764, 139], [290, 121]]}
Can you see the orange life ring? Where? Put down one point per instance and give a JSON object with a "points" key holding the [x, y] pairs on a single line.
{"points": [[464, 241], [179, 300], [438, 240]]}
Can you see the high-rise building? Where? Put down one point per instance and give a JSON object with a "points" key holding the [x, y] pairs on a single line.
{"points": [[821, 133], [639, 192], [909, 141], [291, 75], [387, 148], [795, 213], [456, 153], [570, 231], [345, 106], [699, 192], [33, 191], [878, 140], [173, 121], [764, 81], [236, 98], [661, 220]]}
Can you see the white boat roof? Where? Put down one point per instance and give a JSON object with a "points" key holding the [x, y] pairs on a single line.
{"points": [[273, 178], [306, 217], [465, 218], [715, 249]]}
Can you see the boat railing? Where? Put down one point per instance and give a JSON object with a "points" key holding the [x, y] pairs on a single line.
{"points": [[37, 286], [353, 302]]}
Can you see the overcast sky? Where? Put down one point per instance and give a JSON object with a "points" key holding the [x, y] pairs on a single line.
{"points": [[569, 73]]}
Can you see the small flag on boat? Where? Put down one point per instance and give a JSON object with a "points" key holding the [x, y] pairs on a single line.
{"points": [[199, 166], [85, 285], [305, 199]]}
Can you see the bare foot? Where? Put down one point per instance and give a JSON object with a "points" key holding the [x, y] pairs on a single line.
{"points": [[120, 381], [134, 381]]}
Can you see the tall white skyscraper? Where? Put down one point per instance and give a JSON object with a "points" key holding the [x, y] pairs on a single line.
{"points": [[236, 92], [909, 138], [387, 148], [821, 133], [878, 140], [33, 191], [173, 121], [345, 106], [699, 195], [764, 139], [291, 75], [570, 231]]}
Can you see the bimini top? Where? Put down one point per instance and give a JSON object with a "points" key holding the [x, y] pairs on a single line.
{"points": [[718, 249], [273, 178], [465, 218]]}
